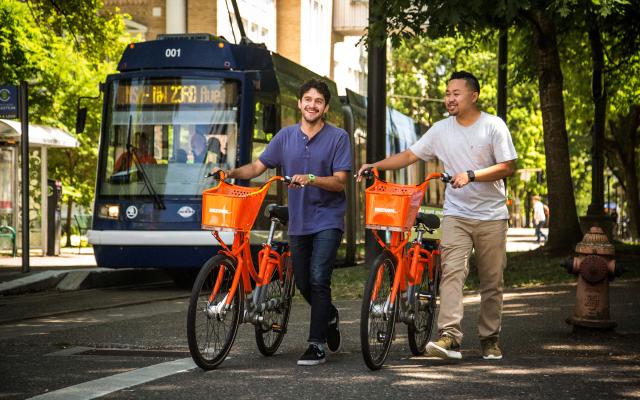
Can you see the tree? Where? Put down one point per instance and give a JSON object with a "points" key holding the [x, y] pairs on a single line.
{"points": [[63, 55], [622, 151], [448, 18]]}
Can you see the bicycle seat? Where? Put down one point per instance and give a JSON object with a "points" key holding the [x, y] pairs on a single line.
{"points": [[281, 213], [431, 221]]}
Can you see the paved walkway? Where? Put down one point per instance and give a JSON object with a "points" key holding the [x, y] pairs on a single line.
{"points": [[51, 270], [519, 239]]}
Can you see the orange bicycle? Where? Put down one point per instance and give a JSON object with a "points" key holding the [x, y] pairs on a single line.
{"points": [[223, 293], [403, 280]]}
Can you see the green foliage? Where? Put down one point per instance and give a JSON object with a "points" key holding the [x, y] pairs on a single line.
{"points": [[63, 55], [430, 35]]}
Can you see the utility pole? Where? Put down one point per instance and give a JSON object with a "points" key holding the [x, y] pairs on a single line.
{"points": [[376, 105], [24, 119]]}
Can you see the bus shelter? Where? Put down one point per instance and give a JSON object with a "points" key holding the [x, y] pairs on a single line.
{"points": [[41, 138]]}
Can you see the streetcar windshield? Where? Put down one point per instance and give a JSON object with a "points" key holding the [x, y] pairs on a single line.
{"points": [[165, 134]]}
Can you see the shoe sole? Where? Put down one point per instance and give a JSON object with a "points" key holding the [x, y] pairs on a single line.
{"points": [[437, 351], [335, 349], [308, 363], [491, 357]]}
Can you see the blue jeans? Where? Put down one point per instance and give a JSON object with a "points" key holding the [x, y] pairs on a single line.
{"points": [[313, 257], [539, 233]]}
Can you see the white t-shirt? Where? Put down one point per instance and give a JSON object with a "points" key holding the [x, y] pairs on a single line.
{"points": [[481, 145], [538, 212]]}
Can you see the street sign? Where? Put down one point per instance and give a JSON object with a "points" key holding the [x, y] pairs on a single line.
{"points": [[8, 101]]}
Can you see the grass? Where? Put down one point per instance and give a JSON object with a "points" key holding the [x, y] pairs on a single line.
{"points": [[524, 269]]}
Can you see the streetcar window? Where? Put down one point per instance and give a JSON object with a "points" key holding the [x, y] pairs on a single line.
{"points": [[259, 144], [189, 126]]}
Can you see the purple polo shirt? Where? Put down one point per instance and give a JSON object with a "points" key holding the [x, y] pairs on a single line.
{"points": [[311, 209]]}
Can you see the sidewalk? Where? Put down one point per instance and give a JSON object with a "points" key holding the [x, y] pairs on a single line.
{"points": [[73, 270]]}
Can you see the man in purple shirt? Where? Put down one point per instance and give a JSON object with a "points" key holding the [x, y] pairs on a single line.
{"points": [[317, 156]]}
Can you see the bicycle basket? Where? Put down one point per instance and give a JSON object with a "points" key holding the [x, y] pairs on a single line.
{"points": [[392, 206], [231, 207]]}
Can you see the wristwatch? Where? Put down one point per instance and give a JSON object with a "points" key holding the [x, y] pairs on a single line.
{"points": [[311, 177], [471, 175]]}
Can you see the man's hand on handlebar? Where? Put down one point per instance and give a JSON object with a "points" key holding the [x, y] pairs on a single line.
{"points": [[363, 168], [299, 181], [459, 180], [216, 173]]}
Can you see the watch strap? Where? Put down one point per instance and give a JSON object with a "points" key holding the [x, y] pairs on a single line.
{"points": [[471, 175]]}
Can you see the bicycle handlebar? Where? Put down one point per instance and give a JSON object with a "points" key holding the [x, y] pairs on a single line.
{"points": [[220, 176], [372, 172]]}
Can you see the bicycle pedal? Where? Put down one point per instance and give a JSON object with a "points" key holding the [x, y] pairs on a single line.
{"points": [[424, 296], [278, 328]]}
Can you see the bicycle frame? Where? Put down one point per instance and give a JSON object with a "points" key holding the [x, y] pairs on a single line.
{"points": [[268, 260], [410, 267], [410, 263]]}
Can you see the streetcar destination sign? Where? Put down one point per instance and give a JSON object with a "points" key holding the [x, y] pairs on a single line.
{"points": [[173, 93]]}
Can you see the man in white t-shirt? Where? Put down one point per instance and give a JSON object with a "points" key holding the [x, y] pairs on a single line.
{"points": [[477, 150], [539, 218]]}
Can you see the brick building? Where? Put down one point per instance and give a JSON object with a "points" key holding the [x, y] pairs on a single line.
{"points": [[319, 34]]}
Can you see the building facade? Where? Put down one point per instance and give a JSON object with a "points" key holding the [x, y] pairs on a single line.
{"points": [[321, 35]]}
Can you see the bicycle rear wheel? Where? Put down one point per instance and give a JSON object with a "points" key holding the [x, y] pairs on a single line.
{"points": [[376, 325], [211, 326], [270, 332], [425, 307]]}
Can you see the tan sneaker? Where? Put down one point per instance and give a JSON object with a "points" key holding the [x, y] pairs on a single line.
{"points": [[446, 347], [491, 349]]}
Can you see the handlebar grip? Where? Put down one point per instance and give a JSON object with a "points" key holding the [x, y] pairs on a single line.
{"points": [[368, 173], [288, 181], [218, 175]]}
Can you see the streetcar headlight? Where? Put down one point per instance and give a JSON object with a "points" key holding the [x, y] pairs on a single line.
{"points": [[110, 211]]}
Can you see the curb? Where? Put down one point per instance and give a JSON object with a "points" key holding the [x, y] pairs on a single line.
{"points": [[69, 280]]}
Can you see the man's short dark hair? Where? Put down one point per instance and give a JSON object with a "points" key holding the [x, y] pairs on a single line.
{"points": [[318, 85], [471, 80]]}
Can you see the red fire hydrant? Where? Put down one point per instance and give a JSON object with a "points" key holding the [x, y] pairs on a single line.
{"points": [[595, 265]]}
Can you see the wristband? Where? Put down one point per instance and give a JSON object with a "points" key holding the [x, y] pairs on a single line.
{"points": [[311, 177]]}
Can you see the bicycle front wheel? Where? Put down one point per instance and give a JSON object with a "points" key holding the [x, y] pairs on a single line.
{"points": [[377, 316], [270, 332], [211, 324], [425, 307]]}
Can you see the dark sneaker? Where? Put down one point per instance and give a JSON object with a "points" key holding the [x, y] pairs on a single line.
{"points": [[334, 339], [491, 349], [446, 347], [313, 356]]}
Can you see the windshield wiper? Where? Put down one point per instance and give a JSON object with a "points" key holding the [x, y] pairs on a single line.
{"points": [[157, 201]]}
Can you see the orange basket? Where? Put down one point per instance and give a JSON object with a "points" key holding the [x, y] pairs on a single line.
{"points": [[229, 207], [392, 206]]}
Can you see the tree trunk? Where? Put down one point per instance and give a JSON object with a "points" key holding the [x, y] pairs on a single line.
{"points": [[599, 96], [564, 227], [626, 139], [633, 201]]}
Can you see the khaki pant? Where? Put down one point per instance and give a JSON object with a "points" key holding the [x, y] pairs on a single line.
{"points": [[459, 237]]}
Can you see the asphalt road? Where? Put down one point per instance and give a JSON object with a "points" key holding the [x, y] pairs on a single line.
{"points": [[110, 350]]}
